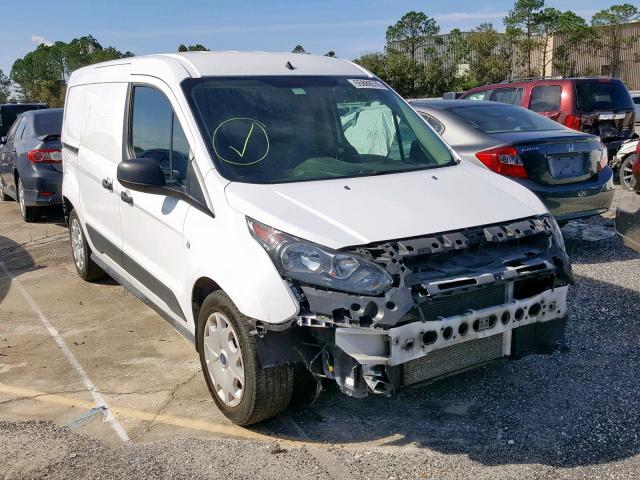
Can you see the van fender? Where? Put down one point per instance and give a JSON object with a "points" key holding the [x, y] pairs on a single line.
{"points": [[222, 250]]}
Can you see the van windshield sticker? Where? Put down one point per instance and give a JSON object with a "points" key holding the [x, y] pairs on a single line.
{"points": [[364, 83], [241, 141], [298, 91]]}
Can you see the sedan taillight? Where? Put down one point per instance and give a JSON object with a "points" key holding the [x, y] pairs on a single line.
{"points": [[604, 157], [45, 155], [572, 121], [503, 160]]}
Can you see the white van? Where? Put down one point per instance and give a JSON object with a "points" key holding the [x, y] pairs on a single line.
{"points": [[287, 211]]}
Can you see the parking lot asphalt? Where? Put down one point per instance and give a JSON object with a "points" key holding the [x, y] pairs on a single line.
{"points": [[92, 381]]}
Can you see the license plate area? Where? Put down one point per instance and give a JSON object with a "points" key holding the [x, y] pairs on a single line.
{"points": [[485, 323], [567, 166]]}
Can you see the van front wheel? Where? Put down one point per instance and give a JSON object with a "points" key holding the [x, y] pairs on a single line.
{"points": [[87, 269], [243, 390]]}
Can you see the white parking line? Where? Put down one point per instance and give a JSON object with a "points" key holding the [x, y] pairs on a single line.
{"points": [[84, 378]]}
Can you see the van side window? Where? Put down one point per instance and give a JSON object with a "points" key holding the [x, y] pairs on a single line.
{"points": [[484, 95], [157, 134], [510, 96], [546, 98]]}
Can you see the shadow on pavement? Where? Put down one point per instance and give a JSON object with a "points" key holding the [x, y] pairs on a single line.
{"points": [[16, 259], [588, 252], [578, 407]]}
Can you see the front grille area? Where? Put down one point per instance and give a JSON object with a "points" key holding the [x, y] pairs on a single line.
{"points": [[458, 304], [451, 359]]}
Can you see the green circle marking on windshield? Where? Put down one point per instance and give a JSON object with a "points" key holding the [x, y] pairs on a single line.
{"points": [[241, 141]]}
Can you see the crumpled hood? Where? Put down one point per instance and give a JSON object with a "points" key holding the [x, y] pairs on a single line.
{"points": [[359, 211]]}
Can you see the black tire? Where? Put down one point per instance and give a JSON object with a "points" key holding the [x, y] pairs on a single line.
{"points": [[88, 270], [625, 169], [29, 214], [267, 391], [4, 196]]}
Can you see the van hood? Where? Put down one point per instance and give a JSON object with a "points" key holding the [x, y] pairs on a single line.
{"points": [[359, 211]]}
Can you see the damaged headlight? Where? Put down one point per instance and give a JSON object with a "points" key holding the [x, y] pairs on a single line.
{"points": [[316, 265], [556, 233]]}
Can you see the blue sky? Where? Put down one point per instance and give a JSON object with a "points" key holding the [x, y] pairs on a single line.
{"points": [[151, 26]]}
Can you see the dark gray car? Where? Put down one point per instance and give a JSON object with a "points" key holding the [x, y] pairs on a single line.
{"points": [[566, 169], [31, 162]]}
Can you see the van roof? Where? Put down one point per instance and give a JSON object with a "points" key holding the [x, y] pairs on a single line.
{"points": [[203, 64]]}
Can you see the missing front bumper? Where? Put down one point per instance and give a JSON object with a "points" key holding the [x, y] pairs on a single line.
{"points": [[415, 340]]}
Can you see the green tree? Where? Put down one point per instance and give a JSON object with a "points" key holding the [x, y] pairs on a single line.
{"points": [[398, 70], [610, 38], [5, 87], [442, 69], [523, 27], [43, 74], [576, 36], [298, 49], [489, 55], [192, 48], [412, 32]]}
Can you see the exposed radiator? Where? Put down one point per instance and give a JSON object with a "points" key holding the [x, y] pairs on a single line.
{"points": [[451, 359], [474, 299]]}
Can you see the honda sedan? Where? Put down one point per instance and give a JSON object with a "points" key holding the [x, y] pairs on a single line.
{"points": [[566, 169]]}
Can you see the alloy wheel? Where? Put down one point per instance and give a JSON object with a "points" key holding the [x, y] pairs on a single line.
{"points": [[23, 207], [627, 176], [223, 356], [77, 243]]}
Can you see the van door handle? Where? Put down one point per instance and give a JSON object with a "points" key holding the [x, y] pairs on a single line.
{"points": [[108, 184], [126, 198]]}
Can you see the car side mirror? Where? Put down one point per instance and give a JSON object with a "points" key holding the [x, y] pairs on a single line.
{"points": [[3, 140], [142, 175]]}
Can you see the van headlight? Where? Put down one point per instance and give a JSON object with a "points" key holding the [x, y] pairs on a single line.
{"points": [[310, 263]]}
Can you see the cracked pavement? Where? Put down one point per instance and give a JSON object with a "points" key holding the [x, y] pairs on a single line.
{"points": [[573, 414]]}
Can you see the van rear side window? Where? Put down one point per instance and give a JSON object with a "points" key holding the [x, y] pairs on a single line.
{"points": [[546, 98]]}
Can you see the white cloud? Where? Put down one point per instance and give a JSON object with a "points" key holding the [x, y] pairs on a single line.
{"points": [[37, 39]]}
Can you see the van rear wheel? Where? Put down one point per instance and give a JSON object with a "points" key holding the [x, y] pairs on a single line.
{"points": [[87, 269], [243, 390]]}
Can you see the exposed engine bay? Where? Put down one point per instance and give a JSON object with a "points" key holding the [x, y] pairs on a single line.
{"points": [[458, 299]]}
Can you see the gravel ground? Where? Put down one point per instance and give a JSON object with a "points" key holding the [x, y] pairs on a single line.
{"points": [[572, 414]]}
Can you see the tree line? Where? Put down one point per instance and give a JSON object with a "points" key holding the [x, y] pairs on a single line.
{"points": [[418, 61]]}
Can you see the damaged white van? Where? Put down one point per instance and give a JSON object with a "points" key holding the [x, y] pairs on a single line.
{"points": [[286, 211]]}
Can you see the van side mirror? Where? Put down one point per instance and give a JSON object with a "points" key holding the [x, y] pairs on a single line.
{"points": [[142, 175], [3, 140]]}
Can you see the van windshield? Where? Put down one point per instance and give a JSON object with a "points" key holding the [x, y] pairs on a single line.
{"points": [[289, 129], [602, 94]]}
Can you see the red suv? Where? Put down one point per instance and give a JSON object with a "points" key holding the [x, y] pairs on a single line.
{"points": [[600, 106]]}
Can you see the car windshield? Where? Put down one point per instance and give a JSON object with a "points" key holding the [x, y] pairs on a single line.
{"points": [[602, 95], [295, 128], [48, 122], [492, 118]]}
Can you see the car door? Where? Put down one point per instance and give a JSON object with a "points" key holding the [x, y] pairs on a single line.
{"points": [[9, 155], [95, 119], [154, 249]]}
